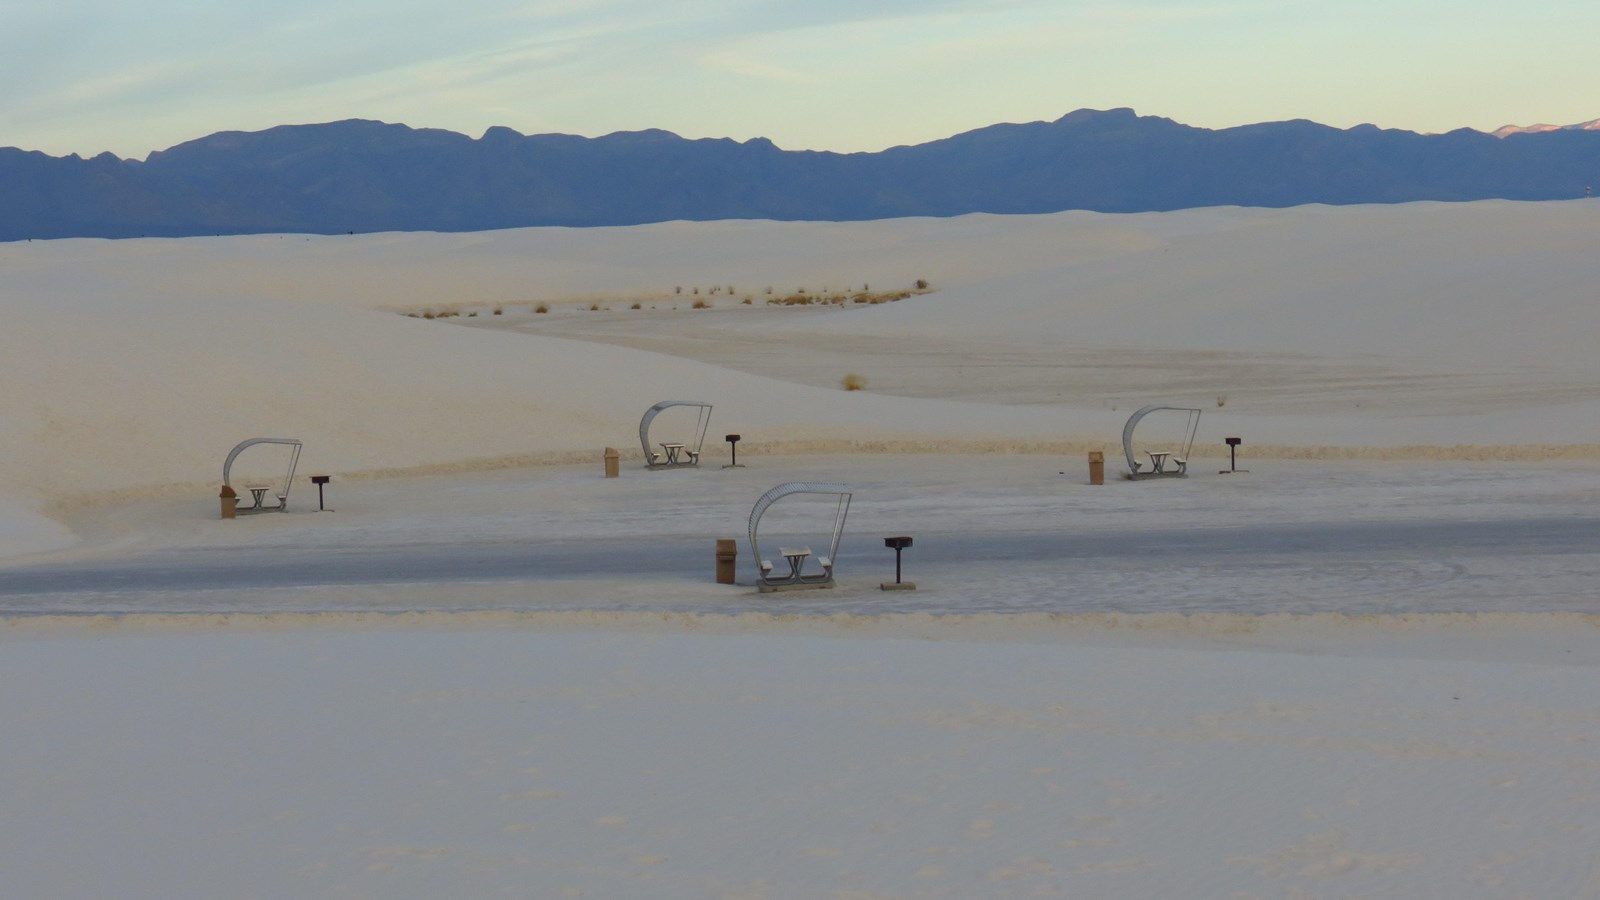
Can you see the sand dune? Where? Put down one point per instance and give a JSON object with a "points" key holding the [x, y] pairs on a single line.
{"points": [[179, 348], [1024, 726]]}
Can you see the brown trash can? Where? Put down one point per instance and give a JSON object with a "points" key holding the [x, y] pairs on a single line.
{"points": [[1097, 467], [230, 502], [727, 554], [613, 467]]}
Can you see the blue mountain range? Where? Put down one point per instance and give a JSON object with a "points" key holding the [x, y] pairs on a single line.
{"points": [[363, 176]]}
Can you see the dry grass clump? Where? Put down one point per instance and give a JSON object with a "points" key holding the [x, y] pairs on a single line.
{"points": [[876, 297], [830, 297], [801, 296], [853, 382]]}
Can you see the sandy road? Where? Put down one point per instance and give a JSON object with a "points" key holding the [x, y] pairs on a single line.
{"points": [[1543, 564]]}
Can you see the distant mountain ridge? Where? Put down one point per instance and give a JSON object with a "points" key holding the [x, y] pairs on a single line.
{"points": [[1504, 130], [360, 175]]}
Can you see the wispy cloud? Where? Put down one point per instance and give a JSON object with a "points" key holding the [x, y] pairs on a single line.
{"points": [[746, 61], [125, 85], [840, 74]]}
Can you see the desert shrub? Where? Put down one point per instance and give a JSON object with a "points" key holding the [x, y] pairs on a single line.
{"points": [[473, 314], [499, 311], [594, 307], [877, 297], [635, 305], [428, 314], [701, 304], [922, 284], [746, 301], [853, 382], [542, 308]]}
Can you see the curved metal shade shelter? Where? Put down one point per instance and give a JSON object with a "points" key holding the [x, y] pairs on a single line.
{"points": [[795, 574], [1163, 463], [675, 455], [282, 490]]}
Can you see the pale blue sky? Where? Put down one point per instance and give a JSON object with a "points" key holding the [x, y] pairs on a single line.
{"points": [[84, 76]]}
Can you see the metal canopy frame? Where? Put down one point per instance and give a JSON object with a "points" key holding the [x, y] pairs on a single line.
{"points": [[294, 460], [767, 580], [689, 454], [1179, 457]]}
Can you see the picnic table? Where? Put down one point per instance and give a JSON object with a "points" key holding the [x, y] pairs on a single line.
{"points": [[796, 557], [259, 492]]}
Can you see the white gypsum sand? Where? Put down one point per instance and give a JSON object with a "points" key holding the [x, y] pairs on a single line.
{"points": [[677, 758], [590, 716]]}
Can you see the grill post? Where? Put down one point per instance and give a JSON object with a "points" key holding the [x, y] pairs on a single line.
{"points": [[1233, 448], [897, 543], [319, 481]]}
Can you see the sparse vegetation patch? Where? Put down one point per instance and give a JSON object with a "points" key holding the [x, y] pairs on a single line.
{"points": [[801, 296]]}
